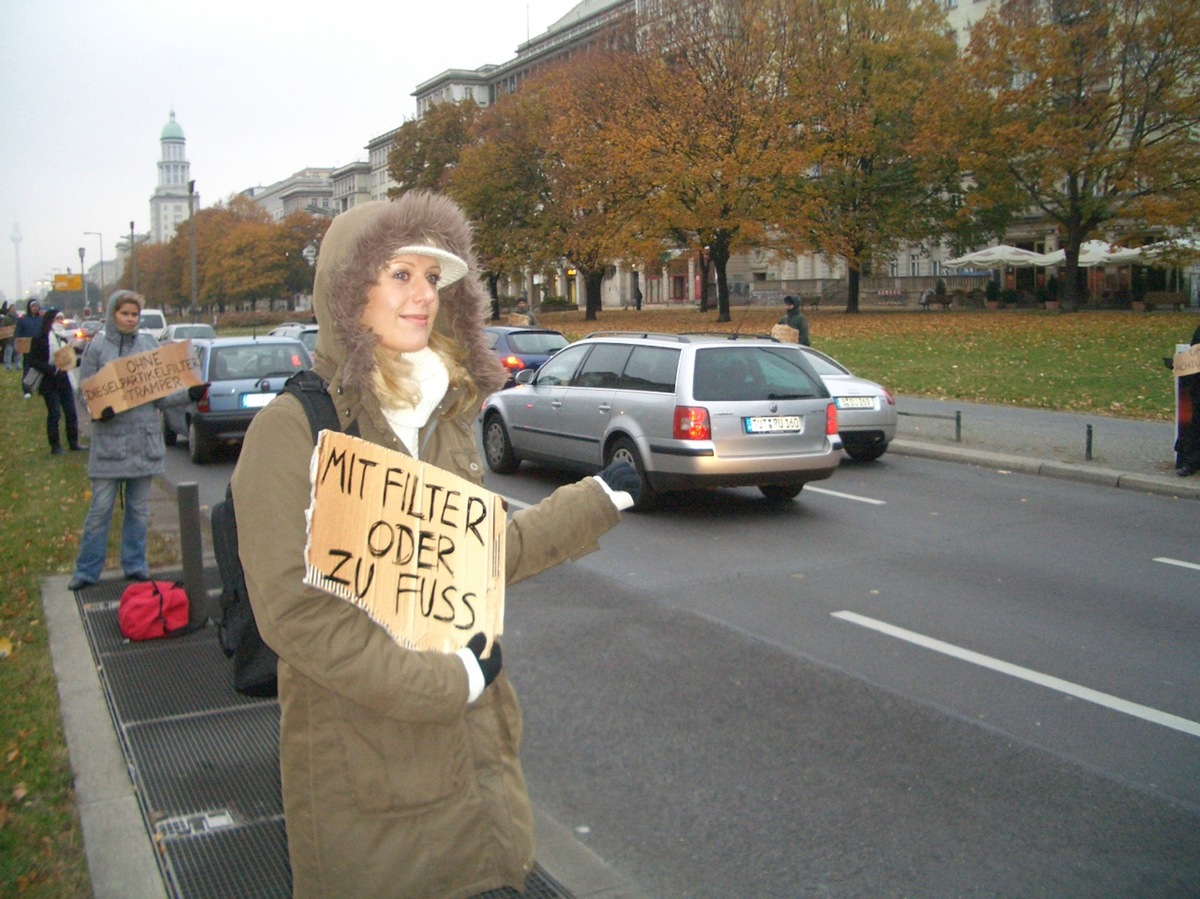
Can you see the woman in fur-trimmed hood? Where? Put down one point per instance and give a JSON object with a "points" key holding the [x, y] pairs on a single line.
{"points": [[400, 768]]}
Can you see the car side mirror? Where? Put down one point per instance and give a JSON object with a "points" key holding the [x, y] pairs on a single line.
{"points": [[525, 376]]}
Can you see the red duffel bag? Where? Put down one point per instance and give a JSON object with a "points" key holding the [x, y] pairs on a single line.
{"points": [[152, 609]]}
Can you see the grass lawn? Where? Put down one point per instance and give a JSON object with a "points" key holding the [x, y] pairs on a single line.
{"points": [[1107, 363], [43, 501], [1094, 362]]}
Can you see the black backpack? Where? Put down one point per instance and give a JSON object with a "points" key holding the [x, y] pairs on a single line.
{"points": [[254, 662]]}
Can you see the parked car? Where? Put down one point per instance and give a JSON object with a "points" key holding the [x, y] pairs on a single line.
{"points": [[306, 334], [687, 411], [243, 374], [197, 331], [524, 349], [153, 321], [866, 410]]}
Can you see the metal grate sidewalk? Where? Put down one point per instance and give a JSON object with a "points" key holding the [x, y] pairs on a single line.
{"points": [[203, 758]]}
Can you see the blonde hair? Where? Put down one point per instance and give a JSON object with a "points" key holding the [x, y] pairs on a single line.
{"points": [[393, 383]]}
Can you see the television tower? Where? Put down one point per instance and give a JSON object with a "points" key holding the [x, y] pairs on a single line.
{"points": [[16, 239]]}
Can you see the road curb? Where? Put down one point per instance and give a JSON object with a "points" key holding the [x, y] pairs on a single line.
{"points": [[1162, 485]]}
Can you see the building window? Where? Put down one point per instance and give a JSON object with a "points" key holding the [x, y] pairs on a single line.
{"points": [[893, 268], [914, 265]]}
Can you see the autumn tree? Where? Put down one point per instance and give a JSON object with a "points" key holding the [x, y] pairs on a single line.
{"points": [[597, 204], [425, 150], [500, 181], [864, 77], [707, 141], [1087, 112]]}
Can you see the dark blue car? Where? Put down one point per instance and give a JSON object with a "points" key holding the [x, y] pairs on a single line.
{"points": [[523, 348]]}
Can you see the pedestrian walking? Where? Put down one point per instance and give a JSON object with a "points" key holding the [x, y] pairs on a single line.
{"points": [[55, 388], [399, 767], [794, 318]]}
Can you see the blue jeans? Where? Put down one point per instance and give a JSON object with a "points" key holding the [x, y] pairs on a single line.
{"points": [[93, 545], [12, 359]]}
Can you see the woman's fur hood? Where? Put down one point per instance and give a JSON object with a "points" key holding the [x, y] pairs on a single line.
{"points": [[357, 245]]}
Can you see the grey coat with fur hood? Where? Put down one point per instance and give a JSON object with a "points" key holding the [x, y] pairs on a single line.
{"points": [[392, 784]]}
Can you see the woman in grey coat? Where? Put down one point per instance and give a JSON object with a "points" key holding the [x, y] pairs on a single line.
{"points": [[126, 451]]}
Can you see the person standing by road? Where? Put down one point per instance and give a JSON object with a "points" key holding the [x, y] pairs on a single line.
{"points": [[8, 345], [1187, 443], [127, 451], [794, 318], [400, 768], [56, 387], [29, 326]]}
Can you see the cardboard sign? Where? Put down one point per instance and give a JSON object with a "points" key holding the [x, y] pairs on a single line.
{"points": [[8, 332], [785, 333], [23, 343], [65, 358], [521, 321], [142, 378], [1187, 362], [419, 549]]}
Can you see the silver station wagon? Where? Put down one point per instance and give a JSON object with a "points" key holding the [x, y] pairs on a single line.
{"points": [[688, 411]]}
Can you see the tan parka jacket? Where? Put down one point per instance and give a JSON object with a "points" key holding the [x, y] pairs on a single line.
{"points": [[392, 784]]}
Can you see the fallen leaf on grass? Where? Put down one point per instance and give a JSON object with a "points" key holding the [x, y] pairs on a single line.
{"points": [[19, 792], [5, 648]]}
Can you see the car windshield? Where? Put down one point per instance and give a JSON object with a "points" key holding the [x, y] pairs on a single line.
{"points": [[533, 342], [152, 321], [255, 361], [732, 374]]}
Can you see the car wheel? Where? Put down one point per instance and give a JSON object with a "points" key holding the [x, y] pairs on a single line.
{"points": [[866, 453], [623, 450], [497, 447], [170, 438], [780, 493], [198, 446]]}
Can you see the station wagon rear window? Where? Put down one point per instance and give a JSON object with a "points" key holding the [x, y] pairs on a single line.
{"points": [[741, 374], [258, 361]]}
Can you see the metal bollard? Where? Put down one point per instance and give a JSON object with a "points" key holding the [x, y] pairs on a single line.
{"points": [[192, 549], [958, 426], [1087, 453]]}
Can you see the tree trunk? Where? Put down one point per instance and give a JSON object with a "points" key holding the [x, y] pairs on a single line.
{"points": [[593, 280], [720, 258], [853, 278]]}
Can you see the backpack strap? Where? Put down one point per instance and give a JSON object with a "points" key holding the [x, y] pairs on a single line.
{"points": [[312, 391]]}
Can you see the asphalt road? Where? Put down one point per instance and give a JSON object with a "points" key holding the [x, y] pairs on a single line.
{"points": [[920, 678]]}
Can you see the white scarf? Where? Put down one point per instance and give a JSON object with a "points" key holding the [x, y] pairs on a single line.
{"points": [[433, 380]]}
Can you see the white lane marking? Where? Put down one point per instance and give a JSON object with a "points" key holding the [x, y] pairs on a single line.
{"points": [[860, 499], [1178, 562], [1104, 699]]}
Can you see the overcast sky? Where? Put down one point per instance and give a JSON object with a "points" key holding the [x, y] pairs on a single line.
{"points": [[261, 88]]}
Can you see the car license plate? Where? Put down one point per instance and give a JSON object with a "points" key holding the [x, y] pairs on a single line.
{"points": [[855, 402], [771, 424], [256, 400]]}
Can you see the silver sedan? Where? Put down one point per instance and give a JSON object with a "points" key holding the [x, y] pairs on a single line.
{"points": [[866, 410]]}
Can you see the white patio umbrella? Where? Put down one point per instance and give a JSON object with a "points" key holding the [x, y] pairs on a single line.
{"points": [[999, 256], [1091, 254]]}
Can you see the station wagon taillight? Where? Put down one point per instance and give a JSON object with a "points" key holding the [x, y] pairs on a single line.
{"points": [[513, 363], [830, 420], [691, 423]]}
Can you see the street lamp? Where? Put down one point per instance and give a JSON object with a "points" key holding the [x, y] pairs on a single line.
{"points": [[133, 256], [192, 241], [102, 291], [82, 279]]}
